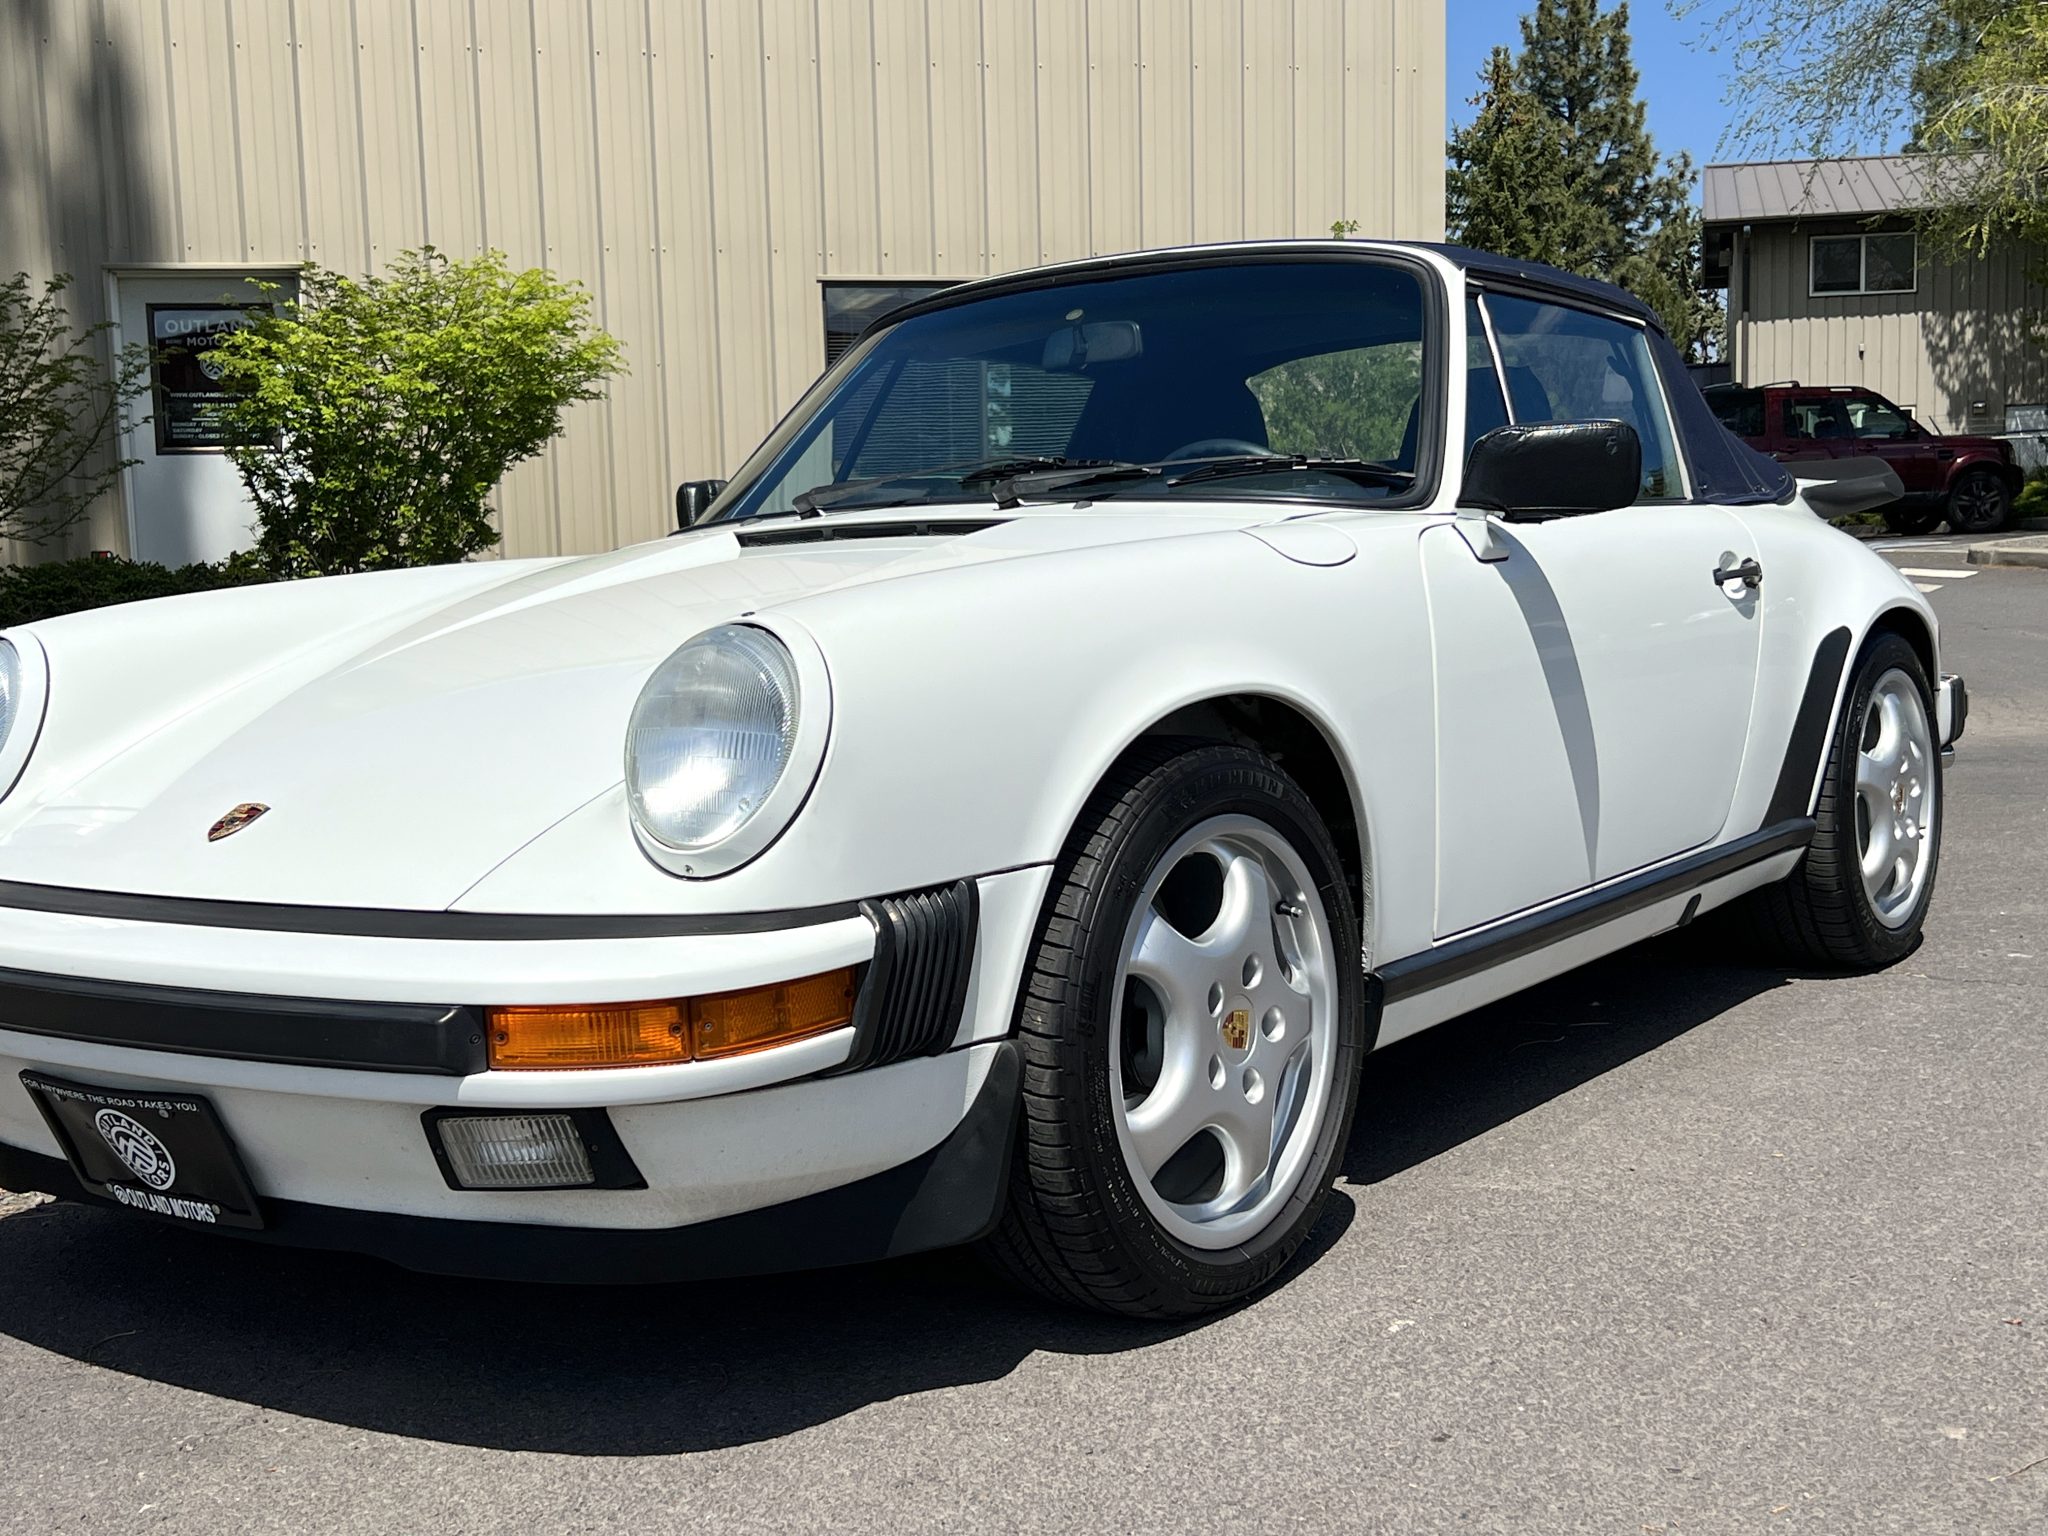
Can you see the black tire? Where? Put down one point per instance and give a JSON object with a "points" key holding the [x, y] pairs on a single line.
{"points": [[1979, 502], [1820, 914], [1076, 1227], [1900, 517]]}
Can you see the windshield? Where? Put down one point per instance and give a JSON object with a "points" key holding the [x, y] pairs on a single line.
{"points": [[1152, 375]]}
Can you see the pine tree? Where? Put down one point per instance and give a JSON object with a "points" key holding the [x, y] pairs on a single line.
{"points": [[1557, 166], [1505, 189]]}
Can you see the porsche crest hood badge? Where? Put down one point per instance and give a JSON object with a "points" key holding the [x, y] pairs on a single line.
{"points": [[235, 820]]}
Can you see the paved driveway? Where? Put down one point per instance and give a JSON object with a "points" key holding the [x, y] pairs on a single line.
{"points": [[1678, 1243]]}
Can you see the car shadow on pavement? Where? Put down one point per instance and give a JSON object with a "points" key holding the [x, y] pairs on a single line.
{"points": [[1425, 1095], [666, 1369]]}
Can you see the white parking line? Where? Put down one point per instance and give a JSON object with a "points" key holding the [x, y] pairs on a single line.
{"points": [[1928, 586], [1916, 570]]}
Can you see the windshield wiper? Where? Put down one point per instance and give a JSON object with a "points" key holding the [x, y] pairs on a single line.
{"points": [[820, 498], [1363, 471], [1011, 490]]}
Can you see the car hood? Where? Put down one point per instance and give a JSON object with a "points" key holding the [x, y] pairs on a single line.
{"points": [[409, 735]]}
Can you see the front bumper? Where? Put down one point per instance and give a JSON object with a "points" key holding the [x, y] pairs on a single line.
{"points": [[822, 1151], [947, 1195], [1951, 712]]}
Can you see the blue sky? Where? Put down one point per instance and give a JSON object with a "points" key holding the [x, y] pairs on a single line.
{"points": [[1682, 85]]}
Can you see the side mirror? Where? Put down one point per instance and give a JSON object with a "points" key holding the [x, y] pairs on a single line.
{"points": [[693, 500], [1554, 469]]}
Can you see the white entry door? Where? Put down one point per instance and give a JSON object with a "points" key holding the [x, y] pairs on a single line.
{"points": [[184, 500]]}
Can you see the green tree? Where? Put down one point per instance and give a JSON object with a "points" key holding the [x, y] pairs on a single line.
{"points": [[60, 408], [1665, 270], [1558, 166], [1505, 189], [374, 416], [1352, 404], [1827, 78]]}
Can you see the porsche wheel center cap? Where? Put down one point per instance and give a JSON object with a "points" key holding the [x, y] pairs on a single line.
{"points": [[1236, 1027]]}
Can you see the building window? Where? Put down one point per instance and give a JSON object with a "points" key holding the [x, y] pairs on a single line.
{"points": [[851, 308], [1849, 264]]}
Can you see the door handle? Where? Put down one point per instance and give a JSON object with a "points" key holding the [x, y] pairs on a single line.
{"points": [[1747, 571]]}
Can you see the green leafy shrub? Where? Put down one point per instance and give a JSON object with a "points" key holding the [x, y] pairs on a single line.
{"points": [[374, 416], [31, 592], [2033, 497], [59, 408]]}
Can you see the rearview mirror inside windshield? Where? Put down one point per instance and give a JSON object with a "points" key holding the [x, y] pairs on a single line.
{"points": [[1097, 341]]}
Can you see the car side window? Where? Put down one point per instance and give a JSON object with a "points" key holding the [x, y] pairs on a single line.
{"points": [[1741, 411], [1566, 364], [1486, 407], [1820, 419], [1872, 416]]}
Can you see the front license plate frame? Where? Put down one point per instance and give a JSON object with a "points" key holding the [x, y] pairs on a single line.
{"points": [[161, 1153]]}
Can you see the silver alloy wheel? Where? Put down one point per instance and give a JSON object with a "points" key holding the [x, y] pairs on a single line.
{"points": [[1895, 798], [1223, 1042]]}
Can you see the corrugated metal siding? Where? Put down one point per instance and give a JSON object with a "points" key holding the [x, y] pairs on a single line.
{"points": [[1963, 339], [700, 165]]}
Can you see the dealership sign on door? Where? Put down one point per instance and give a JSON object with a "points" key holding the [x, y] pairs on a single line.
{"points": [[188, 386]]}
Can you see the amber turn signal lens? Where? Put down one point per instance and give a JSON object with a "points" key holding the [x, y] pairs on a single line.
{"points": [[650, 1034], [730, 1023], [607, 1035]]}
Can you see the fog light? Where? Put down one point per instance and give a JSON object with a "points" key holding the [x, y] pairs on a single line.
{"points": [[515, 1152]]}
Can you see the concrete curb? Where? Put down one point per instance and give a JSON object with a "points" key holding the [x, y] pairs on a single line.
{"points": [[2022, 551]]}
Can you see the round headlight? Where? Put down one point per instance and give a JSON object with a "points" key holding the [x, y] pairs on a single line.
{"points": [[711, 737], [10, 689], [24, 689]]}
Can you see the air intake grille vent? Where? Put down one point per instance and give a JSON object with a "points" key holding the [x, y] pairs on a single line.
{"points": [[911, 1002]]}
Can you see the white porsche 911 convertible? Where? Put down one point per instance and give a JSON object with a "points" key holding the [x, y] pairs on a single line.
{"points": [[1114, 701]]}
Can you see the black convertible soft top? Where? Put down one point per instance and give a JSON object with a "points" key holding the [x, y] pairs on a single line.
{"points": [[1535, 274]]}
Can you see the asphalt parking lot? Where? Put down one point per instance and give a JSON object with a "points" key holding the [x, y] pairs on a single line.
{"points": [[1678, 1243]]}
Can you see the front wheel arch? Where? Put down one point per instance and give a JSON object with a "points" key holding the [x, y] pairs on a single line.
{"points": [[1911, 626], [1303, 747]]}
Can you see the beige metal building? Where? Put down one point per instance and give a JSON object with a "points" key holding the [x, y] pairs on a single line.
{"points": [[1828, 284], [725, 175]]}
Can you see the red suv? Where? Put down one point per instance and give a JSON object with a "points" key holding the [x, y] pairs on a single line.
{"points": [[1971, 481]]}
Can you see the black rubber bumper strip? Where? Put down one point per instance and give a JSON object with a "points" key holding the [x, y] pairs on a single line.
{"points": [[401, 923], [1455, 959], [429, 1038], [950, 1195]]}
